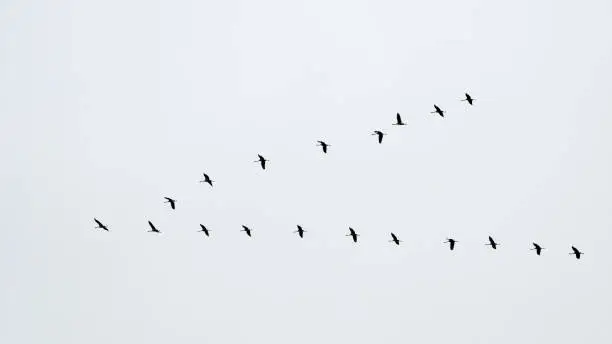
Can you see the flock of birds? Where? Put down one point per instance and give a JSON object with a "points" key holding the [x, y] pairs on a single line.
{"points": [[352, 233]]}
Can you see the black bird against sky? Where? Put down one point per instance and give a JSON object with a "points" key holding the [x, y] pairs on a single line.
{"points": [[100, 225], [246, 229], [153, 229], [300, 231], [468, 99], [398, 119], [451, 243], [323, 145], [537, 248], [492, 243], [438, 110], [207, 180], [171, 201], [204, 229], [262, 161], [353, 234], [380, 135]]}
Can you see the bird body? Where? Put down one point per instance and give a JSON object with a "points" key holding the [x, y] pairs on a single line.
{"points": [[398, 118], [100, 225], [262, 161], [171, 201], [323, 146], [468, 99], [576, 252], [204, 229], [300, 231], [438, 110], [380, 135], [207, 180], [451, 243], [247, 230], [353, 234], [395, 239], [153, 229], [537, 248], [492, 243]]}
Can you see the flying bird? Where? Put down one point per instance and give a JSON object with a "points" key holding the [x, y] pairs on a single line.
{"points": [[395, 239], [380, 135], [323, 146], [300, 231], [438, 110], [537, 248], [451, 243], [576, 252], [171, 201], [353, 234], [246, 229], [399, 120], [468, 99], [204, 229], [261, 161], [207, 180], [100, 225], [492, 243], [153, 229]]}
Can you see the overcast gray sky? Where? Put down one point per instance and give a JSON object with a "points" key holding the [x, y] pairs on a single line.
{"points": [[108, 106]]}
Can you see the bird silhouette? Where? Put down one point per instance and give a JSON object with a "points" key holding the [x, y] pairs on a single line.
{"points": [[261, 161], [100, 225], [380, 135], [451, 243], [171, 201], [204, 229], [300, 231], [576, 252], [537, 248], [438, 110], [353, 234], [153, 229], [395, 239], [207, 180], [323, 146], [468, 99], [246, 229], [398, 118], [492, 243]]}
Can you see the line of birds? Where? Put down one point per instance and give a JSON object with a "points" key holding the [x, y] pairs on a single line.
{"points": [[352, 233]]}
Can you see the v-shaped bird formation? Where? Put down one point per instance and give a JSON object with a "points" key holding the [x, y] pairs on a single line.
{"points": [[261, 160]]}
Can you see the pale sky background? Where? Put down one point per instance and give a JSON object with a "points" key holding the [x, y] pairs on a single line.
{"points": [[108, 106]]}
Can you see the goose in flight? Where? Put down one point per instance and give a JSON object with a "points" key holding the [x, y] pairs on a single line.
{"points": [[300, 231], [398, 118], [395, 239], [323, 146], [451, 243], [576, 252], [207, 180], [261, 161], [204, 229], [468, 99], [537, 248], [153, 229], [492, 243], [246, 229], [380, 135], [171, 201], [353, 234], [438, 110], [100, 225]]}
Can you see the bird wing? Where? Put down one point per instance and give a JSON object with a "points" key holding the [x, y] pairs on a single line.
{"points": [[98, 222], [394, 237], [399, 118], [151, 225]]}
